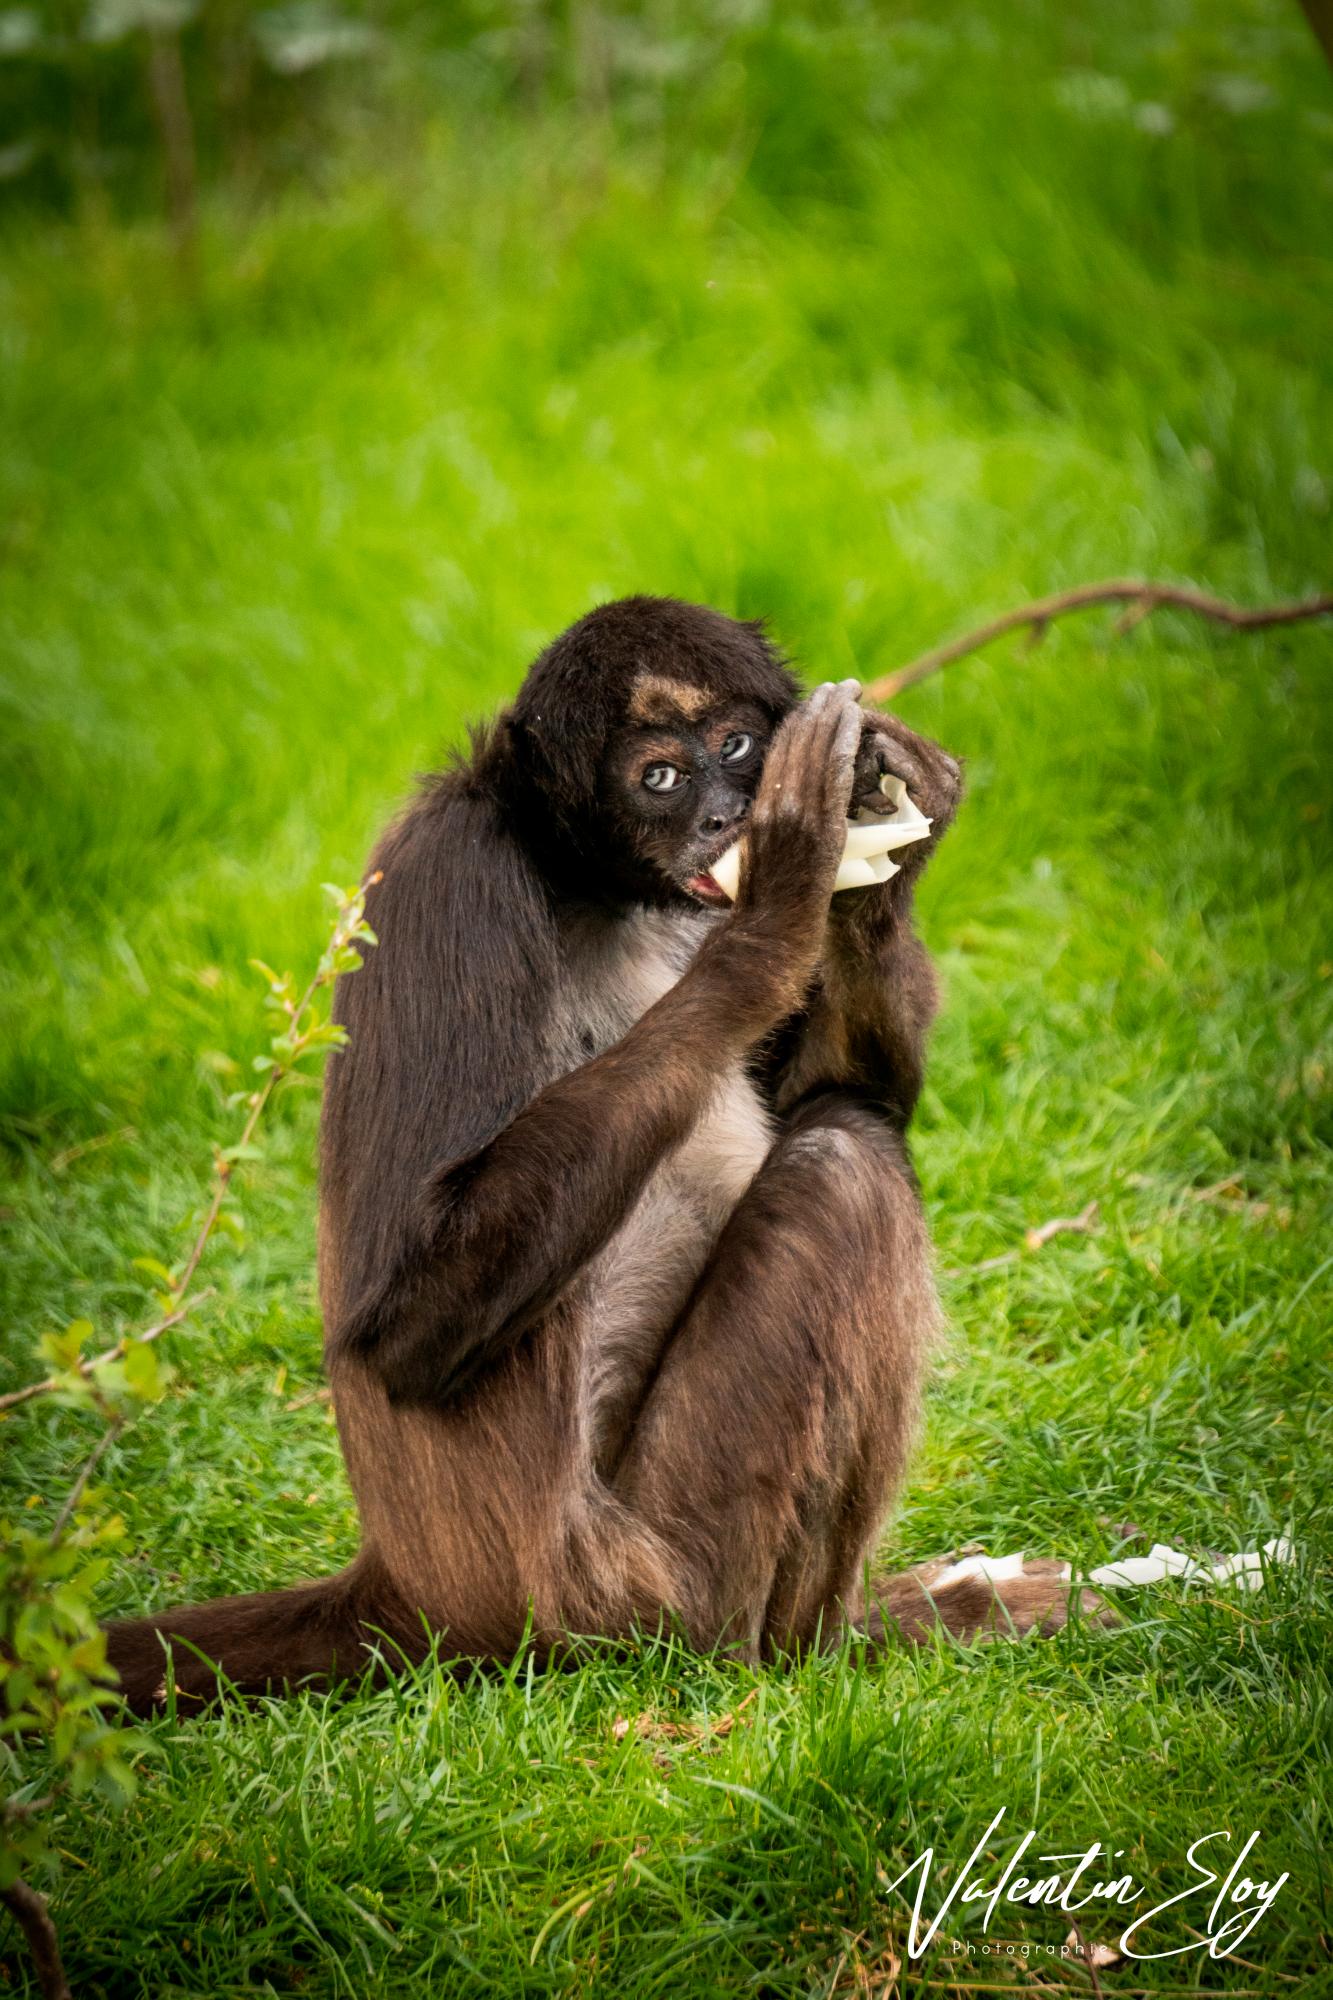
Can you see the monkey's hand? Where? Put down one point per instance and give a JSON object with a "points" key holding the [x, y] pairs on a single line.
{"points": [[793, 846], [888, 748]]}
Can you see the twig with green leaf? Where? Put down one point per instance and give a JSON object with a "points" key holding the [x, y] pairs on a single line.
{"points": [[55, 1685]]}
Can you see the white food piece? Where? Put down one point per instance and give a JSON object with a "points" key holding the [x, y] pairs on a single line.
{"points": [[853, 873], [865, 854], [1246, 1569], [726, 871], [1132, 1572], [996, 1569]]}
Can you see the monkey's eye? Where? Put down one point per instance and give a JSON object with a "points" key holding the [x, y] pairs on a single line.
{"points": [[737, 745], [663, 778]]}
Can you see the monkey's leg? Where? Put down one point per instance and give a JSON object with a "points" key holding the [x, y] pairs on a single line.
{"points": [[777, 1430], [769, 1445]]}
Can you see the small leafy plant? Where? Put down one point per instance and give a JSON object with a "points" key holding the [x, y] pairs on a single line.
{"points": [[56, 1689]]}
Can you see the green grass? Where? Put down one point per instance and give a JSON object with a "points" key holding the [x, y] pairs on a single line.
{"points": [[887, 330]]}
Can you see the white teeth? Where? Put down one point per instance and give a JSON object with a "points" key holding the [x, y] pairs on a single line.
{"points": [[865, 854]]}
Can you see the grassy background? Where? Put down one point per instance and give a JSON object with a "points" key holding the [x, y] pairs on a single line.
{"points": [[879, 325]]}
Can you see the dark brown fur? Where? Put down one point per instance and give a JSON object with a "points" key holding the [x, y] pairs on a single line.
{"points": [[625, 1276]]}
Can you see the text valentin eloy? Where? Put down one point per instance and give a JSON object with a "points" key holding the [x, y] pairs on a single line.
{"points": [[1227, 1888]]}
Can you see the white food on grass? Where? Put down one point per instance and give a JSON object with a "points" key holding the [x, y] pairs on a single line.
{"points": [[1132, 1572], [866, 850], [1246, 1569]]}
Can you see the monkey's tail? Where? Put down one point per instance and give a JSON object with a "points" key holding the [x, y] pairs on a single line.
{"points": [[973, 1601], [316, 1632]]}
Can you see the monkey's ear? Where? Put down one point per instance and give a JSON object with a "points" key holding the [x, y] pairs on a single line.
{"points": [[560, 757]]}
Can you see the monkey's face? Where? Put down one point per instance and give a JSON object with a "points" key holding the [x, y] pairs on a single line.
{"points": [[681, 786]]}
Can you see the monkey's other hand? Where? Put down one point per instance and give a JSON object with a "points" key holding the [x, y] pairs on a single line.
{"points": [[799, 824], [888, 748]]}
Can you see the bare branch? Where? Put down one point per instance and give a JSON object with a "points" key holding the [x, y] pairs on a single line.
{"points": [[324, 1395], [1082, 1224], [90, 1465], [59, 1161], [20, 1809], [1143, 599], [171, 108], [29, 1912]]}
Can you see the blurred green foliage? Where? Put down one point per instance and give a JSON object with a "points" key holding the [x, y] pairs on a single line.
{"points": [[807, 92], [874, 322]]}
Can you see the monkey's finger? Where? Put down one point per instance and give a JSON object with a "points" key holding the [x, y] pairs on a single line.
{"points": [[841, 702], [797, 764], [829, 699], [887, 735], [817, 703], [830, 755], [884, 754], [797, 741], [892, 761], [828, 693], [842, 755], [892, 738], [832, 723]]}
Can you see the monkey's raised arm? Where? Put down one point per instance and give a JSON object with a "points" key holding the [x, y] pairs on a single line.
{"points": [[454, 1220], [506, 1230], [863, 1028]]}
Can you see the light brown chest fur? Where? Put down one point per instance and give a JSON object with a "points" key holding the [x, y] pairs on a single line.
{"points": [[639, 1285]]}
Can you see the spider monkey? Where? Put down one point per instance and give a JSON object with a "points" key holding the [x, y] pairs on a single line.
{"points": [[625, 1277]]}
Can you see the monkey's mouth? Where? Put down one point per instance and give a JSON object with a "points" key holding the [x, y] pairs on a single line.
{"points": [[706, 889]]}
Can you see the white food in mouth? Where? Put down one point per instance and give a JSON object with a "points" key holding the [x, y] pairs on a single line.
{"points": [[866, 850]]}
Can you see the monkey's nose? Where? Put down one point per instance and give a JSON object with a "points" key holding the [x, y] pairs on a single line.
{"points": [[714, 822]]}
